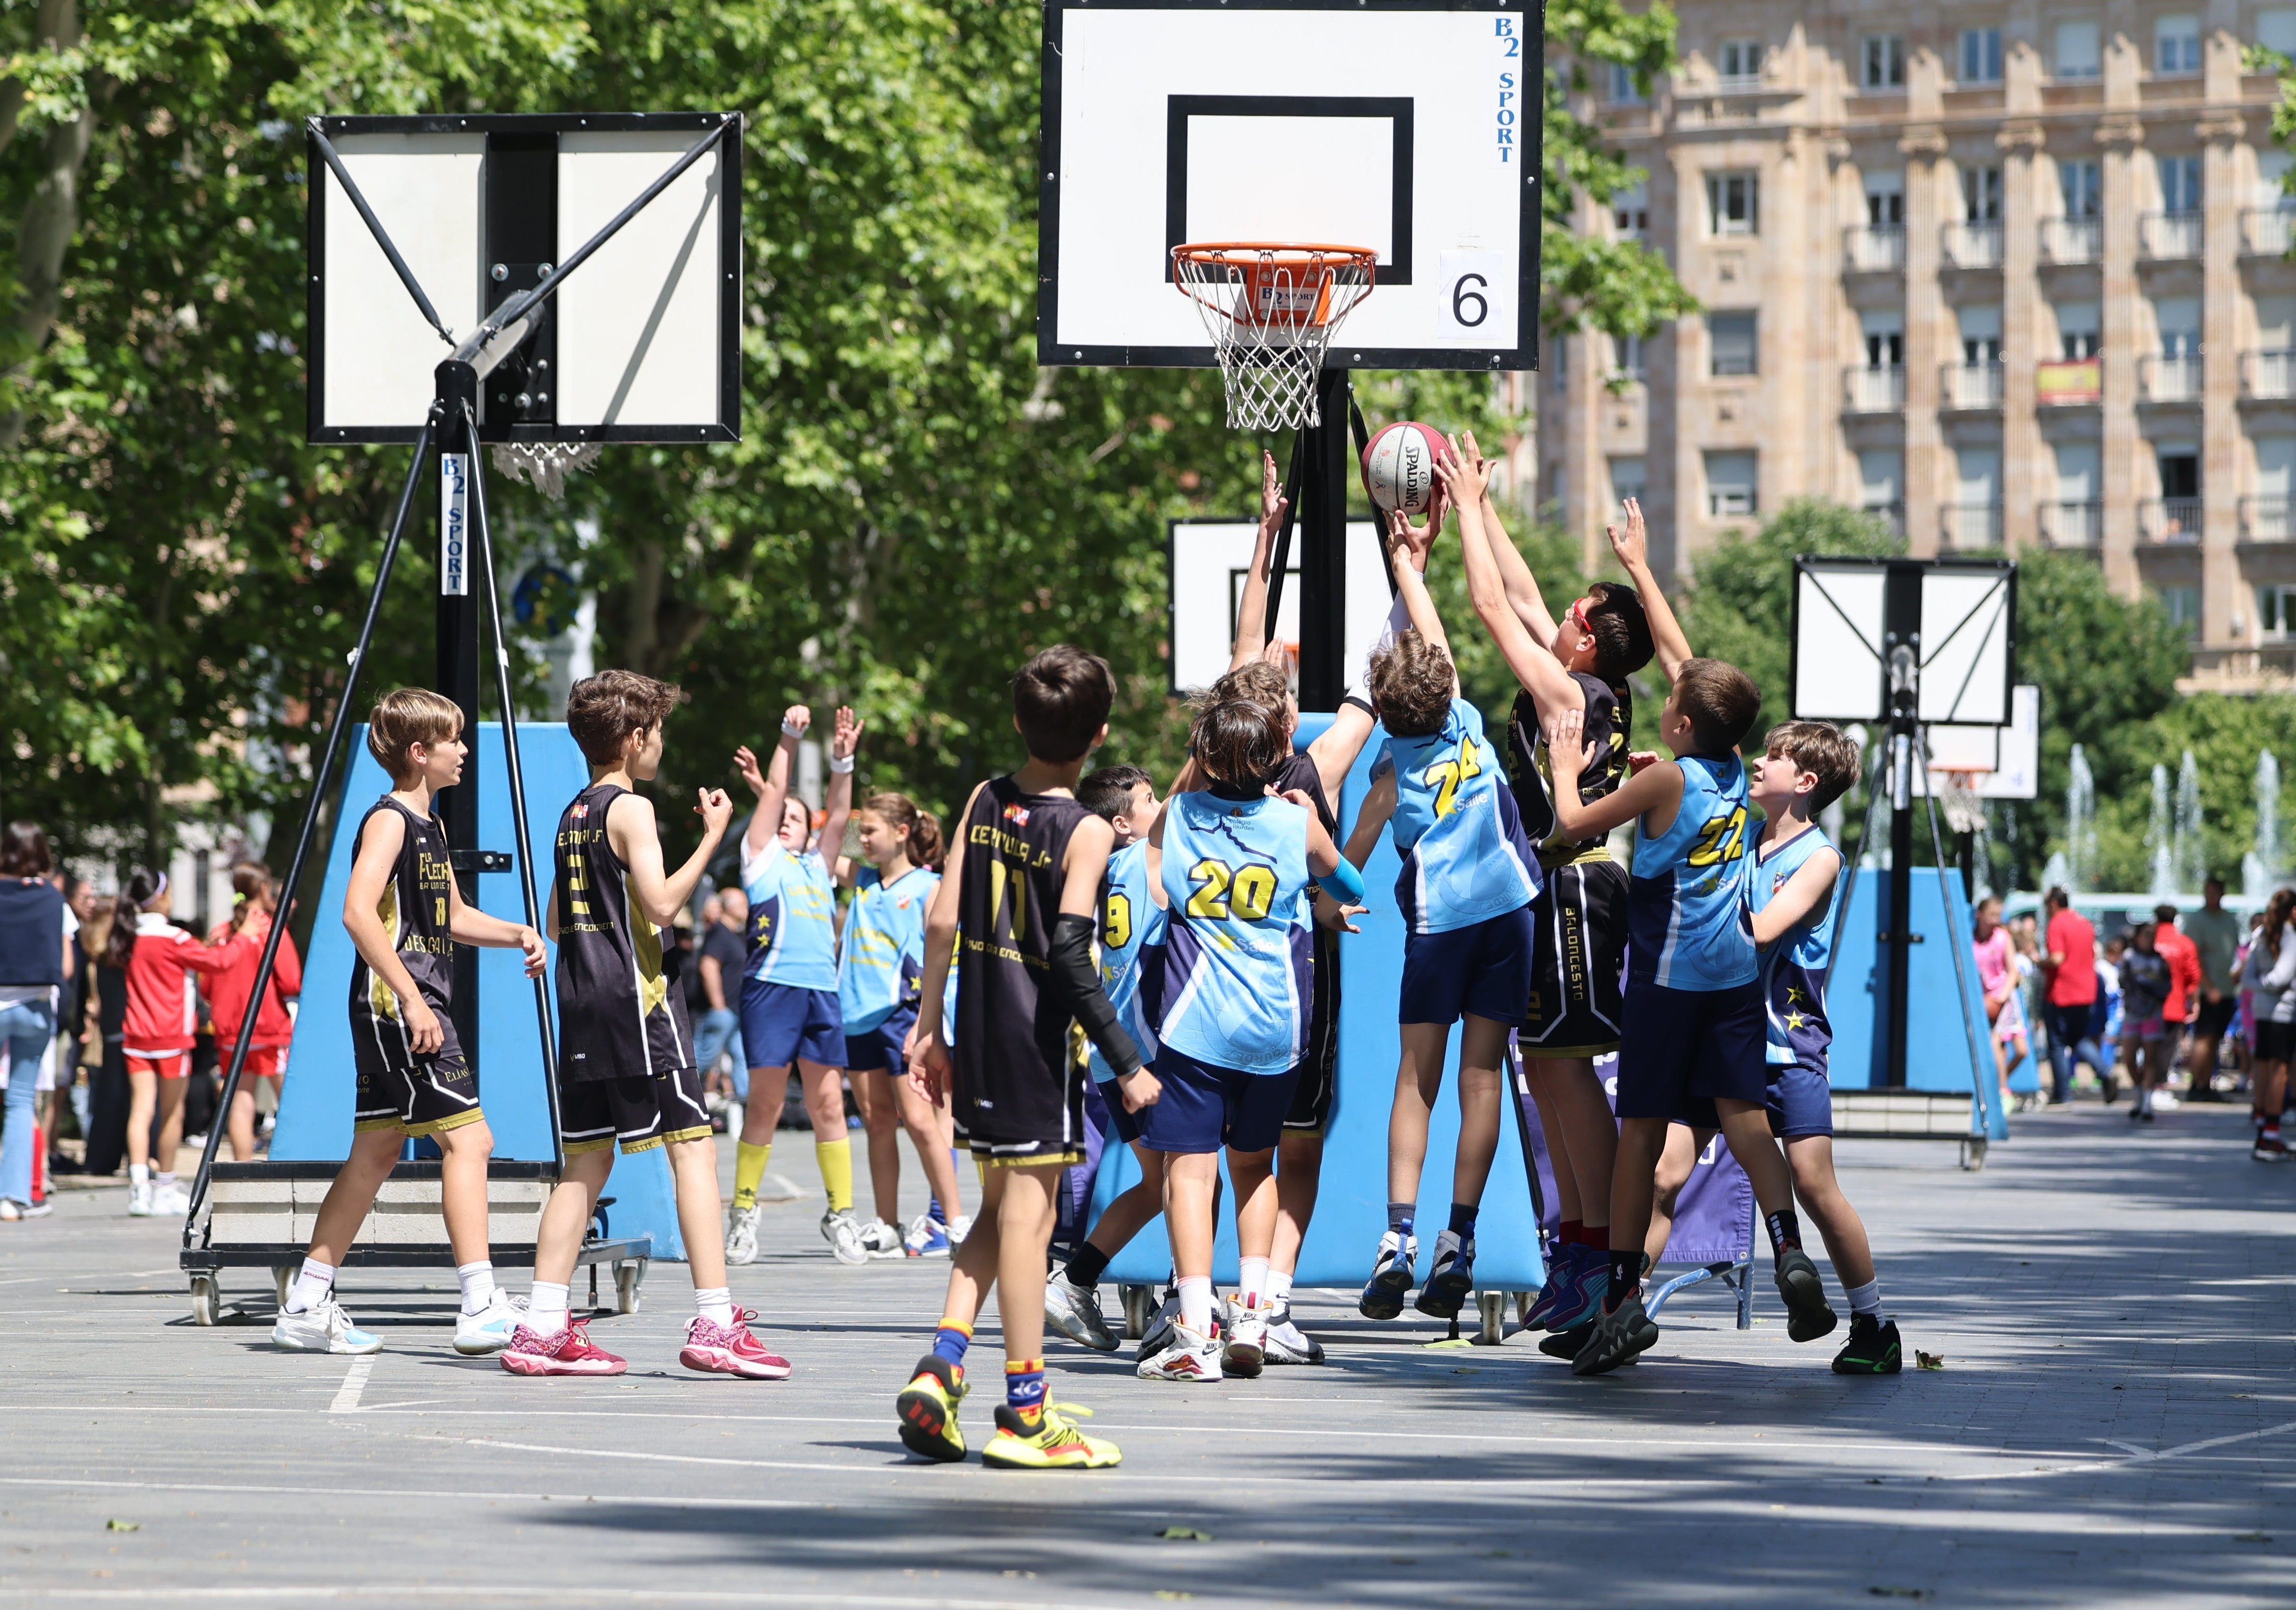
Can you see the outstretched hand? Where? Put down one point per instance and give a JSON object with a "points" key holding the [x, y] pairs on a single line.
{"points": [[1272, 501], [847, 737], [795, 720], [1567, 752], [1464, 472], [1632, 546], [745, 761]]}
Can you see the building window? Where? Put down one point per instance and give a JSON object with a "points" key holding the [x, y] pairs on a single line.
{"points": [[1626, 354], [1981, 195], [2180, 471], [1631, 210], [1733, 203], [1885, 200], [1980, 55], [2078, 55], [1627, 479], [2176, 44], [1732, 340], [1980, 334], [2081, 185], [1731, 485], [2276, 605], [1885, 338], [2275, 29], [1624, 89], [1879, 471], [1740, 62], [2184, 606], [2180, 183], [2080, 479], [1882, 62], [2077, 330], [2178, 319]]}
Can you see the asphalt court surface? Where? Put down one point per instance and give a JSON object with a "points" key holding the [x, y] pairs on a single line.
{"points": [[2115, 1423]]}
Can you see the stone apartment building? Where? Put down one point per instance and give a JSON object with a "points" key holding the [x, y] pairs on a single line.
{"points": [[2009, 277]]}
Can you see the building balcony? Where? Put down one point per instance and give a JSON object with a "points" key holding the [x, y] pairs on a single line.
{"points": [[2068, 241], [2268, 231], [2267, 518], [2069, 383], [2169, 379], [1972, 245], [1890, 514], [1738, 84], [2268, 376], [1873, 248], [1873, 389], [2169, 521], [1969, 386], [2165, 237], [1962, 526], [2073, 525]]}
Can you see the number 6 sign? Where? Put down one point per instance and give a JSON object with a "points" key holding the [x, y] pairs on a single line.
{"points": [[1478, 299]]}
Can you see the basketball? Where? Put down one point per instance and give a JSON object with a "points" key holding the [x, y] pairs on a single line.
{"points": [[1399, 467]]}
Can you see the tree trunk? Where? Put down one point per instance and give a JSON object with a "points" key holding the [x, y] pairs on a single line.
{"points": [[50, 221]]}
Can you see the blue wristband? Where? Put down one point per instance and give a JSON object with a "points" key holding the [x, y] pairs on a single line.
{"points": [[1343, 883]]}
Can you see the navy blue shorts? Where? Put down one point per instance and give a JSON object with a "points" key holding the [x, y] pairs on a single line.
{"points": [[1204, 1108], [1125, 1126], [879, 1050], [781, 1023], [1682, 1050], [1483, 968], [1801, 1102]]}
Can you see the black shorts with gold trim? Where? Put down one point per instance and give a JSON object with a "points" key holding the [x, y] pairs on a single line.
{"points": [[637, 1111], [1578, 952], [402, 1091]]}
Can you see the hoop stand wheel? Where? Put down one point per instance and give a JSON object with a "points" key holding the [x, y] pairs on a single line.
{"points": [[1139, 1309], [1492, 1306], [283, 1276], [207, 1302], [1972, 1155], [629, 1276]]}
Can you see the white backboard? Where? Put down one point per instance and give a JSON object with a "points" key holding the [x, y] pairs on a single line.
{"points": [[1966, 635], [643, 343], [2006, 760], [1208, 560], [1837, 659], [1413, 129]]}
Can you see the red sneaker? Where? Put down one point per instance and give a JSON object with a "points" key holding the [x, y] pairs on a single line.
{"points": [[730, 1350], [567, 1353]]}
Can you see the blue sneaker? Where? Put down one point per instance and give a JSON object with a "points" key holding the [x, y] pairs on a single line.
{"points": [[1559, 1276], [1390, 1276], [1451, 1279], [1581, 1303], [928, 1237]]}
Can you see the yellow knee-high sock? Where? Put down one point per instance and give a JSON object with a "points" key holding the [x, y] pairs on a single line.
{"points": [[836, 1160], [748, 1169]]}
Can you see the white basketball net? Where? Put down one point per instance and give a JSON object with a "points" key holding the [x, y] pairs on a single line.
{"points": [[544, 465], [1271, 313], [1956, 793]]}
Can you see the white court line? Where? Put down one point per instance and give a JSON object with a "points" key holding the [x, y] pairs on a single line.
{"points": [[2137, 1456], [346, 1400], [589, 1594]]}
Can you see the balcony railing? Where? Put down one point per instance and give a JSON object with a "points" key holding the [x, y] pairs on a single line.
{"points": [[2072, 240], [2073, 525], [1874, 248], [2267, 518], [1890, 514], [2167, 236], [1873, 389], [1970, 525], [2169, 379], [2268, 376], [2171, 519], [1738, 84], [1974, 245], [1969, 386], [2268, 231]]}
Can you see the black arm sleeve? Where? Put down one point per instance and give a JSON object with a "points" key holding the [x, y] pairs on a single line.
{"points": [[1078, 981]]}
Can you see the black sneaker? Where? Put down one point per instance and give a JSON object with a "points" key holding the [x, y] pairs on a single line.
{"points": [[1618, 1337], [1871, 1350], [1808, 1315], [1566, 1344]]}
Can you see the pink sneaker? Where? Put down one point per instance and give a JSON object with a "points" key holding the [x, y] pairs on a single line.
{"points": [[567, 1353], [730, 1350]]}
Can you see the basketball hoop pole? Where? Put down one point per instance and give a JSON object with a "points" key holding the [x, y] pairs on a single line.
{"points": [[1323, 547], [1901, 664]]}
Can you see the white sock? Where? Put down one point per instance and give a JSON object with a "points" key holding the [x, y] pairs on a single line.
{"points": [[163, 1180], [1255, 1282], [1196, 1302], [139, 1173], [1866, 1299], [714, 1303], [477, 1284], [311, 1286], [2144, 1098], [546, 1308], [1279, 1287]]}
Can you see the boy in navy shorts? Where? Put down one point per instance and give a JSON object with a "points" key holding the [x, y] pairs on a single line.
{"points": [[1692, 1048]]}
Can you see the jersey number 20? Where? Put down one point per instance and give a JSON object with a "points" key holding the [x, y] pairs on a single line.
{"points": [[1220, 889]]}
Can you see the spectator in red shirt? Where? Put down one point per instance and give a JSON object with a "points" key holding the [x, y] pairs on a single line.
{"points": [[2069, 958], [2184, 958], [162, 1022], [256, 900]]}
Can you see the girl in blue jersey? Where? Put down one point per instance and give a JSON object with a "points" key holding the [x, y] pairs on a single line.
{"points": [[790, 1011], [880, 970], [1233, 1015]]}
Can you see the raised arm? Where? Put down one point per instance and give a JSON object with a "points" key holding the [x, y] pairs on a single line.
{"points": [[1535, 666], [1805, 893], [772, 785], [1632, 546], [1371, 816], [630, 830], [1522, 593], [837, 807], [1252, 609], [1410, 588]]}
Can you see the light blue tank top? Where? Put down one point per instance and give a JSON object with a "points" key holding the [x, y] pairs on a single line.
{"points": [[1686, 904], [882, 963], [1465, 857], [1238, 947], [1795, 966], [1131, 929], [792, 919]]}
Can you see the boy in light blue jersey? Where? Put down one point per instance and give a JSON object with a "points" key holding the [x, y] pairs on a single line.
{"points": [[1693, 1045], [880, 980], [790, 1011], [1236, 991], [1134, 920], [1790, 888], [1468, 880]]}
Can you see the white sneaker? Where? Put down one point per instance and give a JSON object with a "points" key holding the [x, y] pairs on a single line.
{"points": [[489, 1330], [958, 1227], [139, 1199], [322, 1329], [741, 1237], [881, 1240], [1244, 1347], [1287, 1344], [1189, 1357], [928, 1237], [11, 1209], [842, 1231], [170, 1200], [1074, 1311]]}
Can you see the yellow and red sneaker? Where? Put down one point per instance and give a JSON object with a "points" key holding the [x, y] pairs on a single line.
{"points": [[1053, 1443], [927, 1410]]}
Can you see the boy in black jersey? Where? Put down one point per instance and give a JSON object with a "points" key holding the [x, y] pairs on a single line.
{"points": [[627, 1073], [1019, 905], [406, 916]]}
